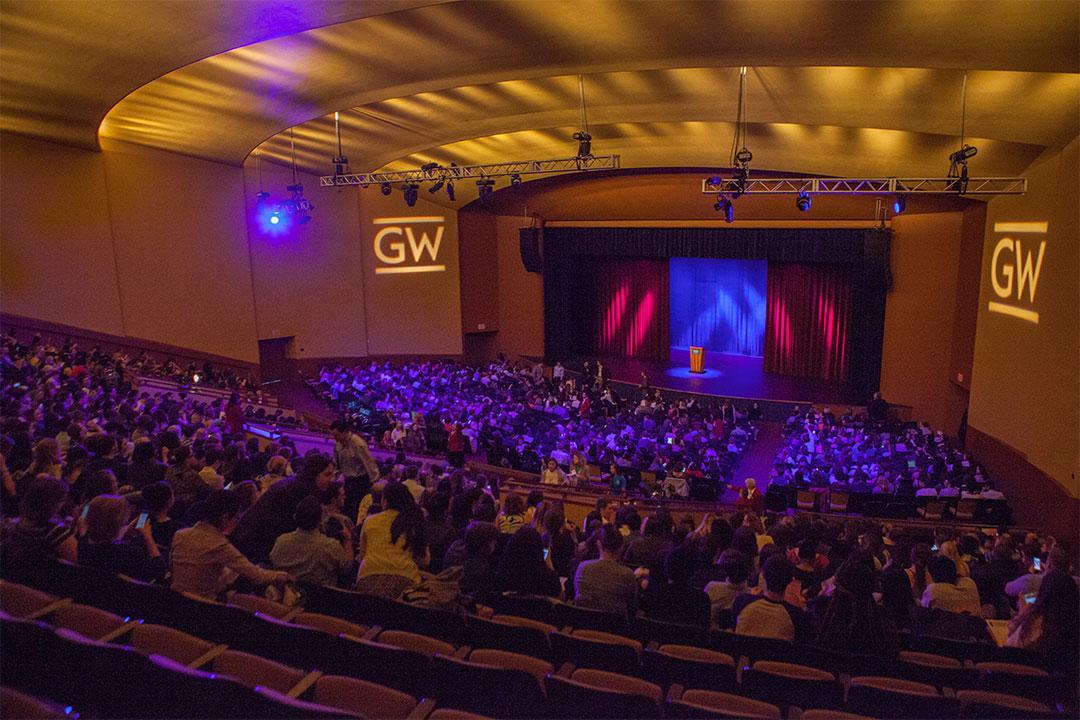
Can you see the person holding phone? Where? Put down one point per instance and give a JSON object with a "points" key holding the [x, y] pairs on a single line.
{"points": [[115, 543]]}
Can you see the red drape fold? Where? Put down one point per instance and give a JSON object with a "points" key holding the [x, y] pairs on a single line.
{"points": [[808, 320], [631, 309]]}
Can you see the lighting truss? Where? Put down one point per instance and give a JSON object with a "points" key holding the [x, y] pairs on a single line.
{"points": [[464, 172], [866, 186]]}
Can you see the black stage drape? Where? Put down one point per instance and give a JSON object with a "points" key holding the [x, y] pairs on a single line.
{"points": [[570, 255]]}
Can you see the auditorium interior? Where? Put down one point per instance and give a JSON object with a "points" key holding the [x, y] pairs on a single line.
{"points": [[539, 358]]}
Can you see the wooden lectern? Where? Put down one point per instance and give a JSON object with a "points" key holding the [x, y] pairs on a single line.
{"points": [[697, 359]]}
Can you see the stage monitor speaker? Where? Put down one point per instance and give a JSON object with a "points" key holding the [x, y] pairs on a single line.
{"points": [[531, 256], [704, 489]]}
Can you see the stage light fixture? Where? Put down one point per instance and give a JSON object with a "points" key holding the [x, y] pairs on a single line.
{"points": [[450, 191], [261, 197], [725, 206], [410, 194], [515, 180], [386, 189], [275, 217], [803, 201], [899, 204], [486, 186], [584, 144], [436, 187]]}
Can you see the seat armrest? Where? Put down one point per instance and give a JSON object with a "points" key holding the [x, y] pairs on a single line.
{"points": [[372, 632], [305, 684], [207, 656], [566, 670], [462, 652], [424, 708], [674, 692], [119, 632], [48, 609]]}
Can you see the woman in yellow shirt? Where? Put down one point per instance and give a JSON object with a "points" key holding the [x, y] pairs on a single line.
{"points": [[393, 545]]}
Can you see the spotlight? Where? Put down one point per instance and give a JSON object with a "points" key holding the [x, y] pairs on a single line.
{"points": [[803, 201], [899, 204], [275, 218], [436, 187], [196, 378], [515, 179], [386, 189], [964, 154], [410, 194], [341, 165], [584, 144], [724, 205], [486, 187], [744, 156], [450, 191]]}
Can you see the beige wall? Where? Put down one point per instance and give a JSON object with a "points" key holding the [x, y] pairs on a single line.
{"points": [[410, 313], [308, 282], [920, 318], [181, 250], [1025, 382], [521, 295], [56, 253]]}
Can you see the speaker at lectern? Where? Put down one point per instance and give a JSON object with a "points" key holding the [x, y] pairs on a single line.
{"points": [[697, 359]]}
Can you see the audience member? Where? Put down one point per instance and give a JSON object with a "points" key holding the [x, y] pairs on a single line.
{"points": [[605, 583]]}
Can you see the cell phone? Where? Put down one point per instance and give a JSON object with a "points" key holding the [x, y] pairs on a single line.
{"points": [[911, 464], [547, 552], [85, 511], [933, 548], [229, 486], [1029, 598], [143, 517], [670, 440], [1037, 564]]}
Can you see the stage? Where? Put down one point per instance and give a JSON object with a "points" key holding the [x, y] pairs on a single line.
{"points": [[726, 375]]}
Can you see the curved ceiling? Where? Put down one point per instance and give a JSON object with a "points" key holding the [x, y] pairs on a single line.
{"points": [[836, 87]]}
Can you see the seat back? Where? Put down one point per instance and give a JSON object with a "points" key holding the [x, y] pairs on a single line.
{"points": [[21, 705], [255, 603], [85, 620], [488, 690], [20, 601], [579, 618], [838, 501], [294, 645], [709, 704], [785, 684], [269, 703], [415, 642], [329, 624], [534, 607], [363, 698], [165, 641], [580, 699], [253, 671], [1022, 680], [760, 648], [507, 632], [380, 663], [691, 667], [592, 649], [666, 633], [936, 670], [432, 622], [981, 704], [891, 698]]}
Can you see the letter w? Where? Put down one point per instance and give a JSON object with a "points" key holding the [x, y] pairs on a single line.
{"points": [[1024, 271], [425, 244]]}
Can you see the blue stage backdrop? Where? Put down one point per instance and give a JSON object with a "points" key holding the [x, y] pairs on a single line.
{"points": [[719, 304]]}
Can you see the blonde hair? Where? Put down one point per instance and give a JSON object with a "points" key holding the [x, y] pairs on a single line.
{"points": [[950, 550], [108, 514]]}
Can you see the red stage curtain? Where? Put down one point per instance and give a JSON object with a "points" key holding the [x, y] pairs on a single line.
{"points": [[808, 321], [630, 309]]}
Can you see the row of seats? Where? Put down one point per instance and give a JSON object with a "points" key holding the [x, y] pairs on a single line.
{"points": [[490, 681], [507, 684]]}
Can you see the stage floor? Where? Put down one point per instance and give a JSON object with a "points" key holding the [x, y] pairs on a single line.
{"points": [[734, 376]]}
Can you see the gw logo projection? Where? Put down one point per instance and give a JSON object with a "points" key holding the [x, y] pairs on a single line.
{"points": [[403, 244], [1015, 267]]}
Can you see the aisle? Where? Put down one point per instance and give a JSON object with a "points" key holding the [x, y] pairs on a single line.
{"points": [[758, 462]]}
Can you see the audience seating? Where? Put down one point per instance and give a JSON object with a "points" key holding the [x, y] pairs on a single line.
{"points": [[599, 650], [937, 670], [509, 632], [892, 698], [534, 607], [363, 698], [982, 704], [494, 688], [20, 705], [254, 603], [200, 677], [579, 618], [785, 684], [712, 704], [671, 633], [588, 693], [691, 667]]}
